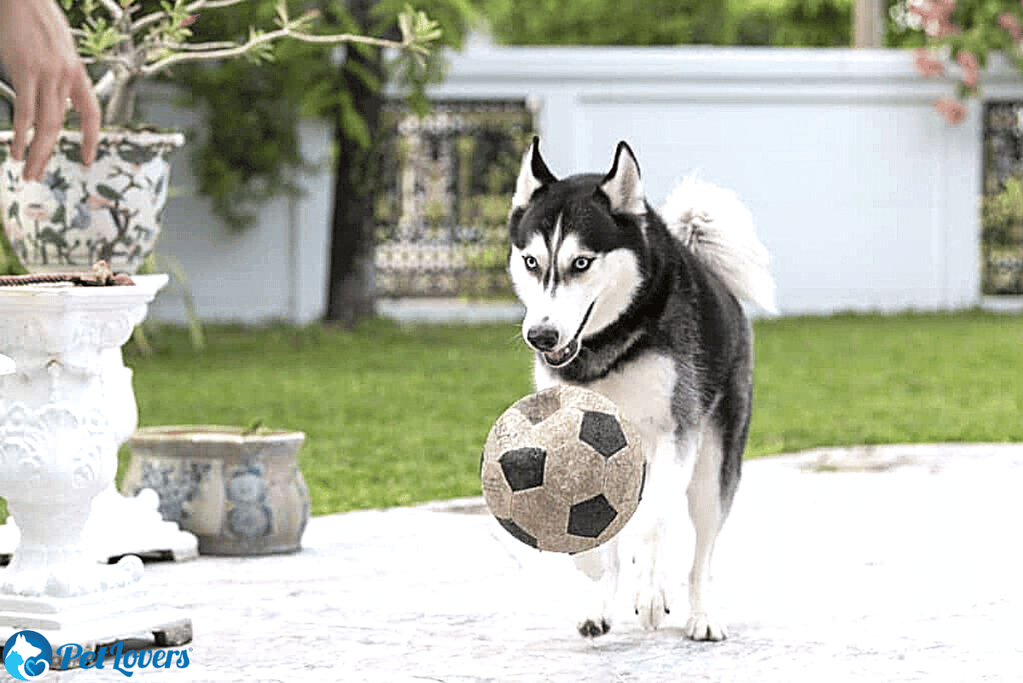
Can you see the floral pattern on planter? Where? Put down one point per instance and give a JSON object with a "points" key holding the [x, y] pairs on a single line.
{"points": [[176, 486], [76, 216], [249, 516]]}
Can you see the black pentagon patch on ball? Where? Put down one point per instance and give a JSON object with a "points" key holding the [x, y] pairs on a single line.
{"points": [[523, 467], [518, 532], [602, 432], [590, 517]]}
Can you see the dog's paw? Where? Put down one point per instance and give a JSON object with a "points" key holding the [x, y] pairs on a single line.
{"points": [[702, 626], [594, 628], [652, 605]]}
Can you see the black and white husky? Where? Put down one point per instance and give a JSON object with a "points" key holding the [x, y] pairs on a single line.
{"points": [[643, 308]]}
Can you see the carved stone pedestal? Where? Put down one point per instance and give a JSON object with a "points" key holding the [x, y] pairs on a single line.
{"points": [[141, 529], [61, 420]]}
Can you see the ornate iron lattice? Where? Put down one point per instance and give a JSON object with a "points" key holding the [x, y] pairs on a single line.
{"points": [[441, 217], [1002, 200]]}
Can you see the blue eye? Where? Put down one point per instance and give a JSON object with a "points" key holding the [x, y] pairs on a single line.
{"points": [[531, 263], [581, 263]]}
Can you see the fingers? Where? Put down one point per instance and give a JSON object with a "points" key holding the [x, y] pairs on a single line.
{"points": [[83, 99], [49, 120], [38, 50], [24, 116], [45, 107]]}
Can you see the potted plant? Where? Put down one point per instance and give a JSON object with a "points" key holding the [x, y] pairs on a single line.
{"points": [[240, 491], [111, 210]]}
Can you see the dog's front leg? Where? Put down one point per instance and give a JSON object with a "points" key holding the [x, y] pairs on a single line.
{"points": [[652, 534], [601, 565]]}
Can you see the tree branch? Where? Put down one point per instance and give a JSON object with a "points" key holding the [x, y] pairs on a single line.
{"points": [[105, 85], [239, 49], [199, 47], [155, 17], [108, 59], [345, 38], [211, 4], [113, 9]]}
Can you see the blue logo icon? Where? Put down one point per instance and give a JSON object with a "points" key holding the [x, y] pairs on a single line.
{"points": [[27, 655]]}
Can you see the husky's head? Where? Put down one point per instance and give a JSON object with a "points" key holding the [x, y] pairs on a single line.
{"points": [[574, 251]]}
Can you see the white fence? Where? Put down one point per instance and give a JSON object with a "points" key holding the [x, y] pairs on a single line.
{"points": [[865, 197]]}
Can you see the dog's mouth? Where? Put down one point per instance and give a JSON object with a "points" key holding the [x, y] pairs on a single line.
{"points": [[567, 353], [563, 356]]}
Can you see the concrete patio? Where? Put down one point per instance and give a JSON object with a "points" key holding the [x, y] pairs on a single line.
{"points": [[892, 564]]}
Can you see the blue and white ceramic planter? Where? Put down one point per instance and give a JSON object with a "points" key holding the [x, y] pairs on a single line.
{"points": [[240, 494], [76, 215]]}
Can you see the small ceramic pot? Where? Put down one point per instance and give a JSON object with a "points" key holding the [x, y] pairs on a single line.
{"points": [[76, 215], [240, 494]]}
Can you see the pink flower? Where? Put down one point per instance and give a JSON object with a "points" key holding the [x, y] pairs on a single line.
{"points": [[36, 212], [952, 110], [927, 64], [935, 15], [96, 202], [968, 61], [1008, 21]]}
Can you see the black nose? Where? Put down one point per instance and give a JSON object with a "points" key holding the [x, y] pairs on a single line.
{"points": [[542, 337]]}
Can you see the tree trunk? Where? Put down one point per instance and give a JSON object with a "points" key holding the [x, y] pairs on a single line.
{"points": [[869, 18], [350, 295]]}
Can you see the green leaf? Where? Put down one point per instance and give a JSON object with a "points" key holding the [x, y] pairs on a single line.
{"points": [[108, 192], [51, 236]]}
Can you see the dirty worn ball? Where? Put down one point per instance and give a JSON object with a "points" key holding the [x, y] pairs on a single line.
{"points": [[562, 470]]}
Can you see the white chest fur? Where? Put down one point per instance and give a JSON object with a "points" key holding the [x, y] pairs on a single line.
{"points": [[642, 390]]}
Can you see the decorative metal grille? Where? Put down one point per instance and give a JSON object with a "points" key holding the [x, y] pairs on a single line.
{"points": [[442, 215], [1002, 199]]}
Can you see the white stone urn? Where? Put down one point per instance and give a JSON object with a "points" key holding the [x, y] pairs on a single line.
{"points": [[58, 452], [76, 215]]}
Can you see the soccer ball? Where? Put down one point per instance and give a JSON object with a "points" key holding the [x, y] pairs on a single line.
{"points": [[562, 470]]}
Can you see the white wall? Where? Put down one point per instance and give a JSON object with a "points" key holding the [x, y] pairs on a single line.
{"points": [[866, 198], [275, 270]]}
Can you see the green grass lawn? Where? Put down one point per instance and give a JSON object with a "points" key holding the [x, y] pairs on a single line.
{"points": [[396, 415]]}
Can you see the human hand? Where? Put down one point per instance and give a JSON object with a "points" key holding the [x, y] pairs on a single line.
{"points": [[38, 50]]}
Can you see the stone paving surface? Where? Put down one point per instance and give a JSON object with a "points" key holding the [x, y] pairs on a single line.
{"points": [[884, 564]]}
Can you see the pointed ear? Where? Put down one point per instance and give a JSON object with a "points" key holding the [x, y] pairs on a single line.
{"points": [[622, 186], [533, 175]]}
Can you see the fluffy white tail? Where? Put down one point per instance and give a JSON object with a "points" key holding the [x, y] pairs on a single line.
{"points": [[713, 224]]}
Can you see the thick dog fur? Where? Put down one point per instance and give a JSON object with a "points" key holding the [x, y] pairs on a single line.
{"points": [[645, 311]]}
